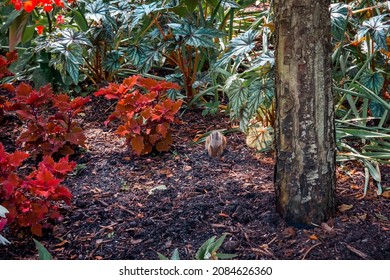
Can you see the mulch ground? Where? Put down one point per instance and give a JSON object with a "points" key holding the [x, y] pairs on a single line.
{"points": [[128, 207]]}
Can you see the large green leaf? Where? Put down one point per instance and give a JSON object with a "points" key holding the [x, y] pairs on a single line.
{"points": [[339, 17], [111, 62], [377, 28], [195, 36], [96, 11], [377, 110], [238, 94], [238, 47], [372, 80]]}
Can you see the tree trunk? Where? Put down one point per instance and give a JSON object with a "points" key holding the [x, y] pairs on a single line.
{"points": [[305, 134]]}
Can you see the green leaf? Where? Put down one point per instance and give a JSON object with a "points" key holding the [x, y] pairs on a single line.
{"points": [[28, 34], [96, 11], [204, 251], [195, 36], [215, 246], [43, 253], [238, 47], [237, 93], [80, 20], [372, 80], [111, 62], [377, 29], [339, 18], [377, 110], [162, 257], [175, 255]]}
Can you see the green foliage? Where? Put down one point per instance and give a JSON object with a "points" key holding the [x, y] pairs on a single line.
{"points": [[208, 251], [42, 251], [360, 63]]}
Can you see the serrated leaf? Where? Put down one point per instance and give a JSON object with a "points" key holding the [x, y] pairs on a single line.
{"points": [[238, 47], [96, 10], [377, 28], [196, 36]]}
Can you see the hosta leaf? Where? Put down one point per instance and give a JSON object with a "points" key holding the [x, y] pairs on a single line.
{"points": [[372, 80], [339, 14], [96, 10], [238, 47], [377, 29], [195, 36]]}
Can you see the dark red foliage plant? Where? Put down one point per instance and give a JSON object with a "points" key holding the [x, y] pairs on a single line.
{"points": [[50, 120], [33, 201], [145, 111]]}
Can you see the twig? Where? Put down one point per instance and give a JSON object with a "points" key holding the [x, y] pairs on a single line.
{"points": [[311, 248]]}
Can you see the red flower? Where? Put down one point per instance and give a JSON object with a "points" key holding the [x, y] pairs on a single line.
{"points": [[29, 6], [60, 19], [48, 7], [17, 4], [39, 29]]}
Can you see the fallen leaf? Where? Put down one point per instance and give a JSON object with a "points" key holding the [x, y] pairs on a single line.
{"points": [[327, 228], [386, 194], [345, 207], [158, 188], [363, 217], [98, 257], [313, 237], [61, 243], [289, 232], [187, 168], [135, 241], [381, 217], [223, 215]]}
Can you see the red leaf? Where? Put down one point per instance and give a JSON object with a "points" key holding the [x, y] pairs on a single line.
{"points": [[17, 158], [138, 144], [162, 128], [164, 144], [36, 229], [3, 222]]}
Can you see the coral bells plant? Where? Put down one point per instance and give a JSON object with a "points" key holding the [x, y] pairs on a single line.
{"points": [[145, 111], [5, 62], [33, 200], [50, 127]]}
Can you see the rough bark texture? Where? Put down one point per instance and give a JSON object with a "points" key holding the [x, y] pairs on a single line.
{"points": [[305, 133]]}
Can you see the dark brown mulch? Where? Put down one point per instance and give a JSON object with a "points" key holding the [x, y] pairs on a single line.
{"points": [[128, 207]]}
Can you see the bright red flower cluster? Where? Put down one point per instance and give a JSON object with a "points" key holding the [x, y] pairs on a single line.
{"points": [[30, 5]]}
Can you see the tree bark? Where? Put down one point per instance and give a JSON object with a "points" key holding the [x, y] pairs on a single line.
{"points": [[305, 175]]}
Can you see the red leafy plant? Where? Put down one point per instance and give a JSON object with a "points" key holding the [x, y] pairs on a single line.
{"points": [[145, 112], [51, 127], [5, 62], [33, 201]]}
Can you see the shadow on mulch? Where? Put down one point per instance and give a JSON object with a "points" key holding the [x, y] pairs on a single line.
{"points": [[128, 207]]}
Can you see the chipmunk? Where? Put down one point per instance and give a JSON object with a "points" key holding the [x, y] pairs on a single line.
{"points": [[215, 143]]}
